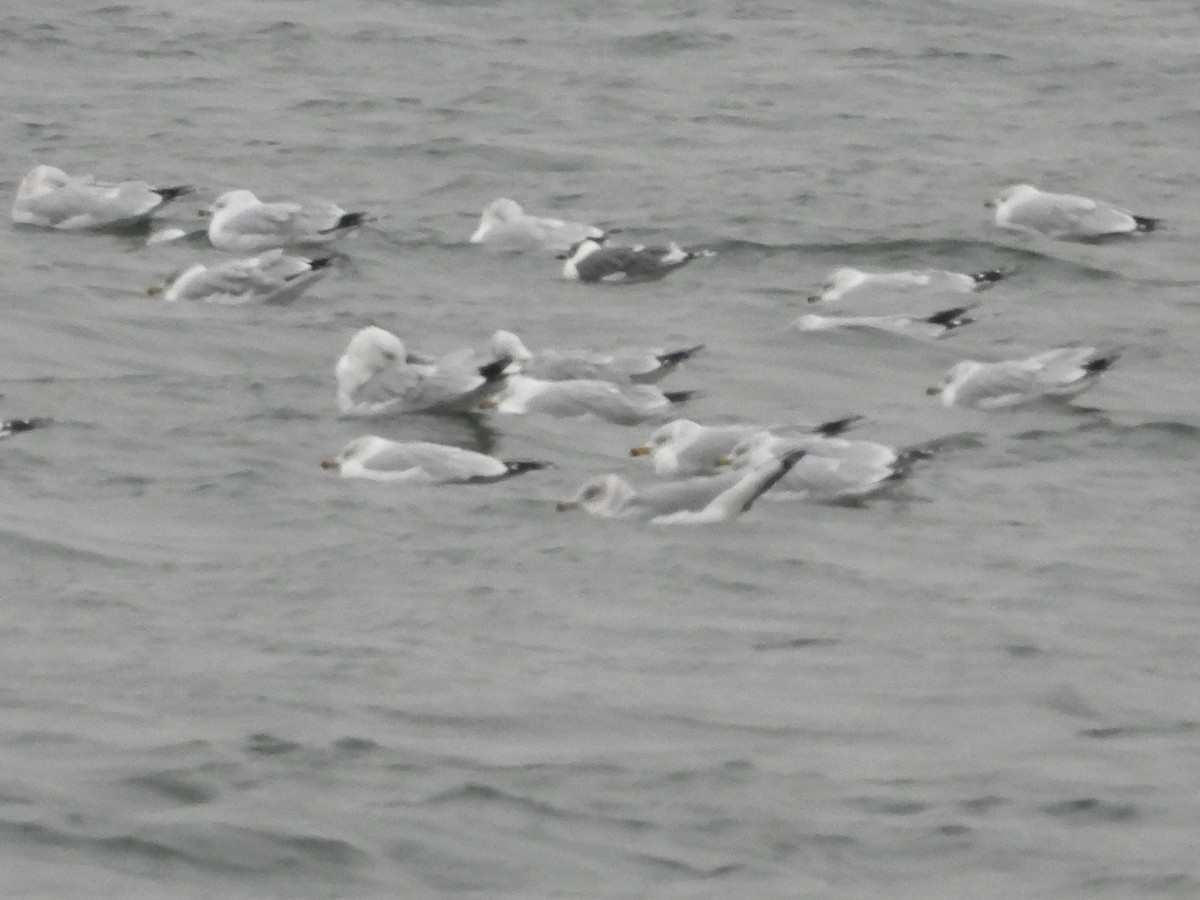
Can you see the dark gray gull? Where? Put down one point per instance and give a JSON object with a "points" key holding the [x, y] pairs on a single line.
{"points": [[271, 277], [243, 223], [1062, 372], [375, 377], [695, 501], [379, 459], [591, 261], [504, 225], [50, 198], [637, 365], [1022, 207]]}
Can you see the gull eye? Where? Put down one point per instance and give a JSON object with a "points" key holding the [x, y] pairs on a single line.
{"points": [[592, 493], [389, 355]]}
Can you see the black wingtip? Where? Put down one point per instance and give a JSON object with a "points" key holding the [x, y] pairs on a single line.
{"points": [[786, 462], [350, 220], [991, 276], [954, 317], [170, 193], [16, 426], [1145, 223], [679, 396], [494, 371], [519, 466], [321, 262], [834, 427], [674, 357]]}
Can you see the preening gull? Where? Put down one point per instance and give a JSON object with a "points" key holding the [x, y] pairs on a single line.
{"points": [[621, 404], [504, 225], [590, 260], [271, 277], [691, 502], [16, 426], [933, 326], [625, 365], [51, 198], [1022, 207], [379, 459], [375, 377], [242, 223], [1062, 372], [846, 280], [684, 447], [833, 468]]}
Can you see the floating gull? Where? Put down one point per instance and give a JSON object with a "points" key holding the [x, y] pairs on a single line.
{"points": [[16, 426], [243, 223], [1062, 372], [683, 447], [692, 502], [834, 468], [375, 377], [271, 277], [625, 365], [846, 280], [1022, 207], [505, 226], [590, 261], [51, 198], [621, 404], [933, 326], [379, 459]]}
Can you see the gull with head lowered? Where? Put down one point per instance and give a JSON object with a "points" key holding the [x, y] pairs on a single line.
{"points": [[1024, 208], [50, 198], [637, 365], [242, 223], [504, 225], [847, 281], [1062, 372], [272, 277]]}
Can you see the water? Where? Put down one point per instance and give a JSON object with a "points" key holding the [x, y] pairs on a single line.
{"points": [[226, 673]]}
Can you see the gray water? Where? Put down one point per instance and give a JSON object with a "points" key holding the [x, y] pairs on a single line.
{"points": [[226, 673]]}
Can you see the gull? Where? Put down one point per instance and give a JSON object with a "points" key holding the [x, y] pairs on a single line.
{"points": [[506, 226], [933, 326], [683, 447], [589, 261], [16, 426], [375, 377], [621, 404], [846, 280], [379, 459], [1022, 207], [692, 502], [627, 364], [243, 223], [271, 277], [51, 198], [1062, 372], [832, 469]]}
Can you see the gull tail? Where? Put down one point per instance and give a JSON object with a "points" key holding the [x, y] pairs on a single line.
{"points": [[955, 317], [494, 371], [1145, 223], [834, 427], [679, 396], [170, 193], [520, 466], [349, 220], [1101, 363], [321, 262], [675, 357]]}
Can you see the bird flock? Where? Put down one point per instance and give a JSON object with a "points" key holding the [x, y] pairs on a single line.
{"points": [[705, 473]]}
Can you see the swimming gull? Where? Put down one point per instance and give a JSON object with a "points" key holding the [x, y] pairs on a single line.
{"points": [[846, 280], [590, 261], [51, 198], [1062, 372], [16, 426], [691, 502], [241, 222], [375, 377], [271, 277], [832, 469], [1022, 207], [683, 447], [621, 404], [637, 365], [504, 225], [379, 459], [933, 326]]}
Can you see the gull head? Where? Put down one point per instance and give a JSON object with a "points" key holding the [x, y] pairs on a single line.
{"points": [[601, 496], [837, 283], [505, 343]]}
